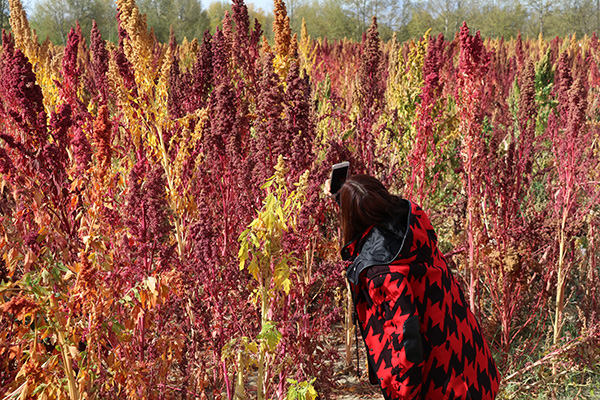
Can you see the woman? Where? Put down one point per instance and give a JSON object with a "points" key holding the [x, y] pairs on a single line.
{"points": [[422, 340]]}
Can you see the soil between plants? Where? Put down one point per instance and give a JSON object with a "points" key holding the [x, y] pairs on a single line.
{"points": [[349, 385]]}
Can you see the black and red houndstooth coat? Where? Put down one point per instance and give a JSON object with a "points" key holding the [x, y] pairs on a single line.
{"points": [[423, 341]]}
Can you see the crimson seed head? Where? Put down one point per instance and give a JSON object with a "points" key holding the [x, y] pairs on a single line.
{"points": [[146, 210], [178, 90], [22, 96], [298, 121], [220, 58], [157, 209], [123, 64], [473, 55], [60, 122], [577, 108], [134, 203], [519, 51], [69, 64], [204, 236], [255, 38], [527, 105], [6, 164], [202, 75], [99, 63], [270, 140], [30, 239], [223, 136], [82, 151], [370, 82], [432, 65], [103, 137], [242, 25], [562, 83]]}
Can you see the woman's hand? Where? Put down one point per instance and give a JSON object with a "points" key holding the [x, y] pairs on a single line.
{"points": [[327, 192], [326, 188]]}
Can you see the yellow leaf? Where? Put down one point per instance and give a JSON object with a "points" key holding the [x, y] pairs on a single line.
{"points": [[45, 334], [252, 347], [281, 216], [269, 221], [244, 235], [286, 284], [253, 269], [243, 254], [270, 201], [254, 240]]}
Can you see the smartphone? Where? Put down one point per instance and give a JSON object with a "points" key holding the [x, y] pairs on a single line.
{"points": [[339, 173]]}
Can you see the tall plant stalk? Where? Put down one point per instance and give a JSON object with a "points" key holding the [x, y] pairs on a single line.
{"points": [[262, 359], [167, 166], [64, 352], [349, 325], [473, 65], [262, 252], [561, 278]]}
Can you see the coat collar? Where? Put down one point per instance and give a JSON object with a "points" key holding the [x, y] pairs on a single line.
{"points": [[378, 245]]}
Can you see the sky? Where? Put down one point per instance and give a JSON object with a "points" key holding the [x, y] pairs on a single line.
{"points": [[266, 5]]}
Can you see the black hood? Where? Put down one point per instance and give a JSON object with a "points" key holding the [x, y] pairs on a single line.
{"points": [[379, 245]]}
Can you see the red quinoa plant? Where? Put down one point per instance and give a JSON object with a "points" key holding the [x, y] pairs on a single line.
{"points": [[473, 64], [127, 183]]}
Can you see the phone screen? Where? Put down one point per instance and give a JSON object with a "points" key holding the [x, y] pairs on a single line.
{"points": [[339, 173]]}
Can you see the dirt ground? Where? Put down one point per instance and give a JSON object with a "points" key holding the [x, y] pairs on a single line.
{"points": [[350, 386]]}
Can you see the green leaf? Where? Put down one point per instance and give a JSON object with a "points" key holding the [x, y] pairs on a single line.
{"points": [[292, 393], [268, 183], [40, 388], [254, 240], [301, 390], [62, 267], [270, 335], [117, 328], [243, 235]]}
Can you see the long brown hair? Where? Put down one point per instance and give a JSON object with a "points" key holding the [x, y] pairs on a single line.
{"points": [[364, 201]]}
